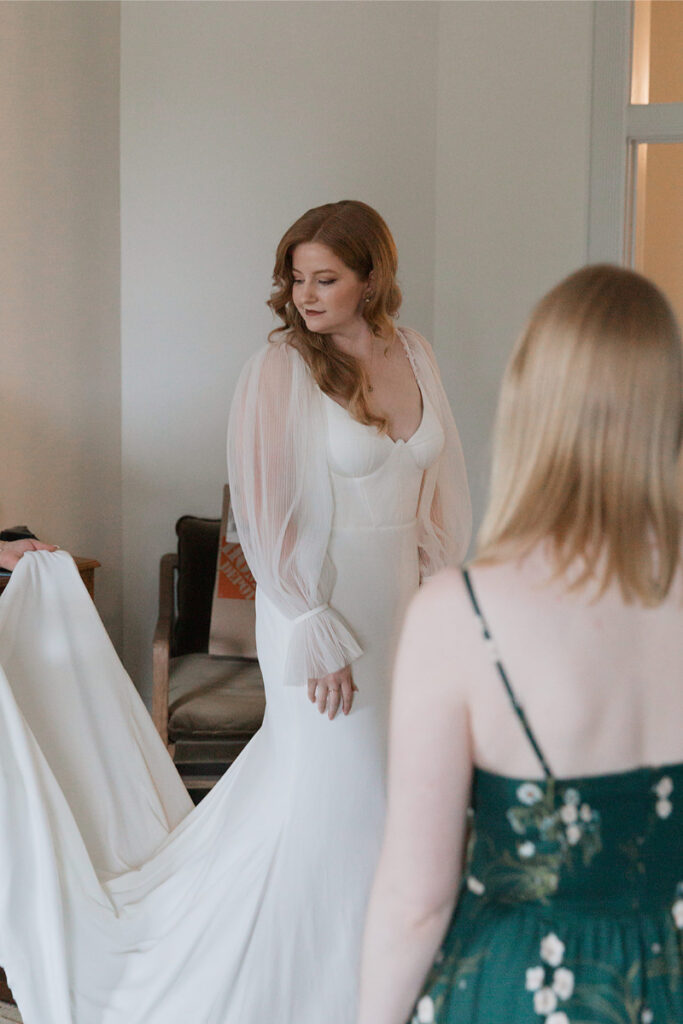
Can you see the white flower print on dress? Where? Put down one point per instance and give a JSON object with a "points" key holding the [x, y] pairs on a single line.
{"points": [[646, 1017], [572, 796], [563, 983], [552, 950], [663, 790], [475, 886], [545, 1001], [663, 808], [677, 913], [425, 1010], [664, 787], [548, 991], [529, 793], [526, 849], [586, 813]]}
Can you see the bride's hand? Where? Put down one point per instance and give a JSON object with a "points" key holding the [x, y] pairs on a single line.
{"points": [[332, 691]]}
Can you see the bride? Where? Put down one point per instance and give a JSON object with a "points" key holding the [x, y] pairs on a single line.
{"points": [[118, 903]]}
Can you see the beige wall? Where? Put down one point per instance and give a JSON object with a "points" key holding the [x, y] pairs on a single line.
{"points": [[466, 124], [511, 189], [235, 118], [60, 393]]}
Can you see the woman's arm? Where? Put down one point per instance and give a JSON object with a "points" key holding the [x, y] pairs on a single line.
{"points": [[444, 513], [430, 769], [282, 502]]}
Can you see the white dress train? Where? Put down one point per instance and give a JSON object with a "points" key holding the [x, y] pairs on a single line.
{"points": [[122, 904]]}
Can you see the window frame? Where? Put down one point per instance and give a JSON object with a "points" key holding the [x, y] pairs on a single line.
{"points": [[617, 127]]}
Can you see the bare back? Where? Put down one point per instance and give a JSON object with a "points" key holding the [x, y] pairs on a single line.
{"points": [[601, 683]]}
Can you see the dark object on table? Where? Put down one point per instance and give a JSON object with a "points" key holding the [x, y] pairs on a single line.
{"points": [[17, 533]]}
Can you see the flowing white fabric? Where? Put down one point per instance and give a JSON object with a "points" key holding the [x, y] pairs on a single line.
{"points": [[283, 506], [122, 904], [282, 503], [445, 510]]}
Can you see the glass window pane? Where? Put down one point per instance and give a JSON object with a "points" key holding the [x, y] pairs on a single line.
{"points": [[658, 242], [657, 66]]}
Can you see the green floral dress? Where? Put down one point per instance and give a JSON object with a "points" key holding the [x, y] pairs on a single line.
{"points": [[571, 905]]}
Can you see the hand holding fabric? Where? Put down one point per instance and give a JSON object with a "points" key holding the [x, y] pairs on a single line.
{"points": [[12, 550]]}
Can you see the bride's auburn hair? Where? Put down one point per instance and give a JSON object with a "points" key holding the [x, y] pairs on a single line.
{"points": [[588, 436], [359, 237]]}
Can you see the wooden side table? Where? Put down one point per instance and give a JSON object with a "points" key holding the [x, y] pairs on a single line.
{"points": [[85, 566]]}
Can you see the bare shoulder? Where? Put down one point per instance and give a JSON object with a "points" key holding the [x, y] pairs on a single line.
{"points": [[440, 619], [441, 593]]}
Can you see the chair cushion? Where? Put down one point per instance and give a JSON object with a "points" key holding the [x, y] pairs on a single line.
{"points": [[233, 615], [197, 554], [214, 697]]}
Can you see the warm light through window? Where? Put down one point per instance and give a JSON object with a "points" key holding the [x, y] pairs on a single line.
{"points": [[658, 241], [657, 59]]}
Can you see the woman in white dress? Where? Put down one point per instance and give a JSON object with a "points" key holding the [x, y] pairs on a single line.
{"points": [[348, 485]]}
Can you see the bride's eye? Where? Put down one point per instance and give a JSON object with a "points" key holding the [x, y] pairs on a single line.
{"points": [[332, 281]]}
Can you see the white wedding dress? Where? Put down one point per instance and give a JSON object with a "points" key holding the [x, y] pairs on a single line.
{"points": [[122, 904]]}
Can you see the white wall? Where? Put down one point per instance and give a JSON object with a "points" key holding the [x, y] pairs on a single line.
{"points": [[465, 123], [59, 266], [512, 171], [235, 118]]}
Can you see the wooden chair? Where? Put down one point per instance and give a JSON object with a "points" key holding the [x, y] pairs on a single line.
{"points": [[205, 708]]}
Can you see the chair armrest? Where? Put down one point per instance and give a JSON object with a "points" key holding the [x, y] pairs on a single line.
{"points": [[161, 645]]}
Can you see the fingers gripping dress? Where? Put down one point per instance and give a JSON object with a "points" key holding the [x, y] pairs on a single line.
{"points": [[119, 903], [571, 906]]}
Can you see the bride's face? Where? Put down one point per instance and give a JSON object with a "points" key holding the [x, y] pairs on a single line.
{"points": [[328, 294]]}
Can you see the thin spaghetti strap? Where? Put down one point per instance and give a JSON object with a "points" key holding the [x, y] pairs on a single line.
{"points": [[493, 651]]}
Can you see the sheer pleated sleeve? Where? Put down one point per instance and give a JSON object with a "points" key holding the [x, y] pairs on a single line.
{"points": [[445, 511], [282, 502]]}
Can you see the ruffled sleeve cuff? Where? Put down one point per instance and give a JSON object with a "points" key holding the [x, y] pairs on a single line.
{"points": [[320, 643]]}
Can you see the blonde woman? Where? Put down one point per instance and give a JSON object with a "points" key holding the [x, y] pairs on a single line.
{"points": [[543, 689]]}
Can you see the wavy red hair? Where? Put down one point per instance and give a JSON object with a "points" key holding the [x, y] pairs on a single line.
{"points": [[360, 238]]}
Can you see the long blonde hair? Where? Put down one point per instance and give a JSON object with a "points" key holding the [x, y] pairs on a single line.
{"points": [[588, 435], [359, 237]]}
